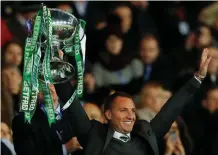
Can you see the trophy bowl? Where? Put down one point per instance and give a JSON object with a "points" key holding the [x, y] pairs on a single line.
{"points": [[64, 26]]}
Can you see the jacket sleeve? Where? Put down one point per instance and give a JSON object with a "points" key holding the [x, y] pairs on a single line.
{"points": [[80, 121], [24, 143], [173, 108]]}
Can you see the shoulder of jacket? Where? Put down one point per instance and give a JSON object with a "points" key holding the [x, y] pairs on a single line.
{"points": [[142, 124]]}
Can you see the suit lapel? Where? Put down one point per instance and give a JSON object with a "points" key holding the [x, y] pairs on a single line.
{"points": [[142, 129], [110, 133]]}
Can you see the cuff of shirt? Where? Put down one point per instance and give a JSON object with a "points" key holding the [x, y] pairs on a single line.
{"points": [[64, 150], [198, 79]]}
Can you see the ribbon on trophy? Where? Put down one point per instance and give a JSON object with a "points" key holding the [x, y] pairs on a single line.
{"points": [[80, 62], [32, 61]]}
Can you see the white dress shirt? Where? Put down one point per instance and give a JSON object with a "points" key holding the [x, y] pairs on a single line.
{"points": [[117, 135]]}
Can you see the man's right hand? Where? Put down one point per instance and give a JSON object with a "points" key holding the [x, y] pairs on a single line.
{"points": [[73, 145]]}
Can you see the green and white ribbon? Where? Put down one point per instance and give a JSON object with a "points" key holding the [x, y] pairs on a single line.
{"points": [[35, 85], [46, 69], [79, 46], [28, 102]]}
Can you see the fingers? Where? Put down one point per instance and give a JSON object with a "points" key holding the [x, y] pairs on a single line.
{"points": [[204, 56], [61, 54], [79, 148], [206, 63]]}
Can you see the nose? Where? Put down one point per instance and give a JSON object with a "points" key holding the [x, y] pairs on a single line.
{"points": [[130, 115], [14, 57]]}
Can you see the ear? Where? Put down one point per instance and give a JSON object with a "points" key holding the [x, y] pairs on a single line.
{"points": [[108, 114], [204, 104]]}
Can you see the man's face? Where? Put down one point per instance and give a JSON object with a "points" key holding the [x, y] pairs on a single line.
{"points": [[152, 99], [211, 102], [5, 132], [114, 44], [205, 37], [213, 65], [125, 15], [149, 50], [122, 114], [14, 54]]}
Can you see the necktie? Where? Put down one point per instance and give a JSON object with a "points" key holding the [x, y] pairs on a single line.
{"points": [[147, 72], [124, 138], [57, 115]]}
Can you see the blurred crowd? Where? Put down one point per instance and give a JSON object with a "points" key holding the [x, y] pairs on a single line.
{"points": [[146, 49]]}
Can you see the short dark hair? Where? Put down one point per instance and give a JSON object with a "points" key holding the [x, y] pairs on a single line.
{"points": [[110, 99]]}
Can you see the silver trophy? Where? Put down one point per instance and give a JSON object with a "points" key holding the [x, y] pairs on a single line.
{"points": [[64, 26]]}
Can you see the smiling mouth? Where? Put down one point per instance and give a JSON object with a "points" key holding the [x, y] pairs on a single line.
{"points": [[127, 122]]}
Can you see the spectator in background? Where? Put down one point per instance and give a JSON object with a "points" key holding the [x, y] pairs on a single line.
{"points": [[212, 76], [204, 37], [200, 38], [173, 144], [7, 147], [65, 7], [209, 16], [7, 34], [142, 20], [149, 101], [156, 67], [130, 34], [210, 103], [6, 132], [152, 99], [17, 24], [202, 121], [12, 54], [7, 107], [117, 65], [11, 87], [89, 11], [177, 141], [94, 112], [89, 81], [97, 43]]}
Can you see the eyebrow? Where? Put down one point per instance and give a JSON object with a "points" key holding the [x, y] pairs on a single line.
{"points": [[128, 108]]}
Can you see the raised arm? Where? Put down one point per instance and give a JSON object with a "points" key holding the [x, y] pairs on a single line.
{"points": [[80, 121], [174, 106], [75, 113]]}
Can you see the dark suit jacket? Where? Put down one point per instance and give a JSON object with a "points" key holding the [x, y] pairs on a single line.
{"points": [[38, 138], [95, 137], [5, 150]]}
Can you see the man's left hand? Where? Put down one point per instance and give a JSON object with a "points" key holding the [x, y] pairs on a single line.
{"points": [[205, 60]]}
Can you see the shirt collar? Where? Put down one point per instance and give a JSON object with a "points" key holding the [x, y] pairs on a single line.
{"points": [[58, 109], [117, 135]]}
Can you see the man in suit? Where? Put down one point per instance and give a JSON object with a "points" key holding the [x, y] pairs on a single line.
{"points": [[38, 138], [123, 134]]}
